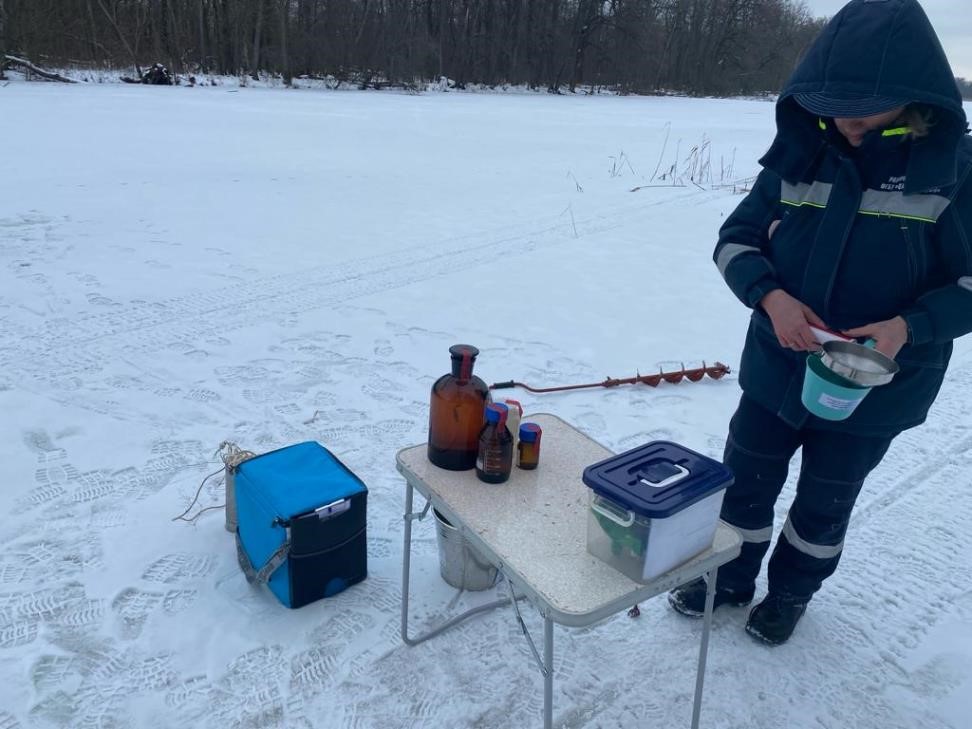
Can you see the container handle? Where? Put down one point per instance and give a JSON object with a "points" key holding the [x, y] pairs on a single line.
{"points": [[605, 508], [333, 509]]}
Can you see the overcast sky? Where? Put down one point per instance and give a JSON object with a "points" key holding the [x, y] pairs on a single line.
{"points": [[952, 20]]}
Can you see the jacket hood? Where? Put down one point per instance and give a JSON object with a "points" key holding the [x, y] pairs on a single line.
{"points": [[881, 48]]}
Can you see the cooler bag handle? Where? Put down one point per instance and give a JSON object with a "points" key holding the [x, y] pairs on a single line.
{"points": [[262, 575]]}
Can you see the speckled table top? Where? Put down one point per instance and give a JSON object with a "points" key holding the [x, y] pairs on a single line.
{"points": [[534, 527]]}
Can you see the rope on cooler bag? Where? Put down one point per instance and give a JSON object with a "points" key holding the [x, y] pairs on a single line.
{"points": [[232, 456], [261, 576]]}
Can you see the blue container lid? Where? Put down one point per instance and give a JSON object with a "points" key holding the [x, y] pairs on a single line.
{"points": [[299, 478], [657, 479], [530, 432], [496, 412]]}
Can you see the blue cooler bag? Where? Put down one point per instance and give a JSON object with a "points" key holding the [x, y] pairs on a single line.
{"points": [[301, 515]]}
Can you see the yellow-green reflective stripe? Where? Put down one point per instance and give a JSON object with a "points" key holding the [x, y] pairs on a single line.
{"points": [[896, 215], [896, 132], [896, 204], [822, 124], [886, 203]]}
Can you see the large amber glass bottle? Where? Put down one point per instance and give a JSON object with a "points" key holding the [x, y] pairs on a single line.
{"points": [[456, 412]]}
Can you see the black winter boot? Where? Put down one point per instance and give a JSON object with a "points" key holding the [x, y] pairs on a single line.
{"points": [[773, 620], [689, 599]]}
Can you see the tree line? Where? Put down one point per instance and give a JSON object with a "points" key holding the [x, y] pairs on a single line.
{"points": [[706, 47], [965, 86]]}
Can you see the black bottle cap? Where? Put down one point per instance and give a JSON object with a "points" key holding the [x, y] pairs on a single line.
{"points": [[459, 351]]}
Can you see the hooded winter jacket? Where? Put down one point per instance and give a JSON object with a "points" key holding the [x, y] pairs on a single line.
{"points": [[867, 234]]}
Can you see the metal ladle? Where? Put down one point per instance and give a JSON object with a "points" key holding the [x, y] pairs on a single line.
{"points": [[861, 364]]}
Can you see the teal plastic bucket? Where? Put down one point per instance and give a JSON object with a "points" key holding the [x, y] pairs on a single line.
{"points": [[828, 395]]}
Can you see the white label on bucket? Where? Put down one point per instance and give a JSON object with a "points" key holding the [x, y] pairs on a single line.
{"points": [[837, 403]]}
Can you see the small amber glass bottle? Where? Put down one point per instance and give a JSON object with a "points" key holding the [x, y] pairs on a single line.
{"points": [[528, 449], [495, 461], [456, 408]]}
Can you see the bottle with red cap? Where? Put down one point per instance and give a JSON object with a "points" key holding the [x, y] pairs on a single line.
{"points": [[456, 412], [495, 461]]}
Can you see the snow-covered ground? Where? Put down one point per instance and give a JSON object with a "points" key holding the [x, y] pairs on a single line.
{"points": [[185, 266]]}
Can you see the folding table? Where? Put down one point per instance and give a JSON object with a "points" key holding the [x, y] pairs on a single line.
{"points": [[533, 529]]}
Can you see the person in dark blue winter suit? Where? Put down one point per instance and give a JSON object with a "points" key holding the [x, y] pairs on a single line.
{"points": [[860, 221]]}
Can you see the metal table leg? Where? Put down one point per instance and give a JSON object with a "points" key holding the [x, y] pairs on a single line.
{"points": [[411, 516], [710, 579], [547, 673], [546, 662], [546, 665]]}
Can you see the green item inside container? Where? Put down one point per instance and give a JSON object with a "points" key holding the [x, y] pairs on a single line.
{"points": [[621, 537]]}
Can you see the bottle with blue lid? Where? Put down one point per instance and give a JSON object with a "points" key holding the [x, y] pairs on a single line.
{"points": [[528, 446], [653, 507], [495, 459]]}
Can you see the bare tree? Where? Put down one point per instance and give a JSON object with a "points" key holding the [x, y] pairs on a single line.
{"points": [[3, 38], [138, 13], [201, 35], [257, 41], [586, 22], [444, 15], [642, 46], [965, 86], [284, 58]]}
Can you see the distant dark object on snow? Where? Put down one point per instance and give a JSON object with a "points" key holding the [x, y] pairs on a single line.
{"points": [[158, 75]]}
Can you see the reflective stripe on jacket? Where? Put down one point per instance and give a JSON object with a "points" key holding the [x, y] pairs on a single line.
{"points": [[865, 234]]}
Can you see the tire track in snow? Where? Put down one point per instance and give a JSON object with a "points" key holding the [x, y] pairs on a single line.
{"points": [[949, 427], [906, 565], [901, 573], [82, 347], [62, 348], [908, 559]]}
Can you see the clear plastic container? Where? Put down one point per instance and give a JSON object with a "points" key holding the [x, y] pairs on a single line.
{"points": [[653, 508], [644, 548]]}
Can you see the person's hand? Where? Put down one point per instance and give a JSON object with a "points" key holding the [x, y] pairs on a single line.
{"points": [[791, 321], [889, 336]]}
